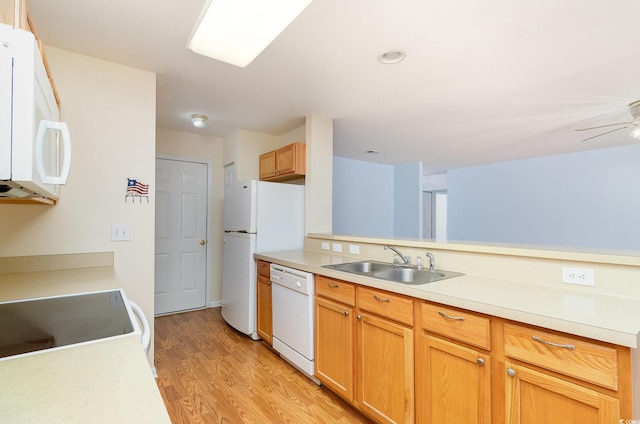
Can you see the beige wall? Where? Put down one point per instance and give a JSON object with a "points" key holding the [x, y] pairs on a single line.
{"points": [[210, 149], [319, 179], [110, 110]]}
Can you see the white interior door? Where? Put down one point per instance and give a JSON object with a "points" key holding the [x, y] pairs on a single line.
{"points": [[181, 235]]}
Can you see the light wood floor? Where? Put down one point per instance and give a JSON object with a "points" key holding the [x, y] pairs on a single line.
{"points": [[210, 373]]}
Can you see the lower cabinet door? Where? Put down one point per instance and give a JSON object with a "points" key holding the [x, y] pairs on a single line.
{"points": [[385, 386], [453, 383], [265, 321], [334, 346], [533, 397]]}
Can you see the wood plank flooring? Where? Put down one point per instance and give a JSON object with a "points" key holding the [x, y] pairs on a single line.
{"points": [[210, 373]]}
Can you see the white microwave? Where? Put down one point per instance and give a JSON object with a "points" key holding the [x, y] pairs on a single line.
{"points": [[35, 149]]}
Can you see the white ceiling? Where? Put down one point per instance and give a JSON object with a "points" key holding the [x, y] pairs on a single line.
{"points": [[483, 81]]}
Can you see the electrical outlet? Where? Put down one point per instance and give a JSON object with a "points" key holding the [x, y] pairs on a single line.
{"points": [[354, 249], [337, 247], [325, 245], [581, 276]]}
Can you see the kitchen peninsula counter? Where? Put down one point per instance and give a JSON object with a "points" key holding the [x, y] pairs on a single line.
{"points": [[591, 314]]}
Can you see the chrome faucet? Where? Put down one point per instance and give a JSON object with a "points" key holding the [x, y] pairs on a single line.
{"points": [[405, 259], [432, 261]]}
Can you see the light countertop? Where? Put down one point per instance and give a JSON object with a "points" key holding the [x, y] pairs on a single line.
{"points": [[103, 382], [107, 381], [607, 318]]}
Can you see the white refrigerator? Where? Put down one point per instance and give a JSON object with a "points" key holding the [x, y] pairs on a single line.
{"points": [[259, 216]]}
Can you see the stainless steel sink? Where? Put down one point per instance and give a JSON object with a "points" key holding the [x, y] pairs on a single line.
{"points": [[395, 273], [414, 276], [364, 267]]}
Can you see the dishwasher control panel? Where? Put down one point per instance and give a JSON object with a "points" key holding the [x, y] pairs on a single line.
{"points": [[293, 279]]}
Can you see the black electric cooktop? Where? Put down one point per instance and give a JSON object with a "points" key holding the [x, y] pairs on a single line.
{"points": [[36, 324]]}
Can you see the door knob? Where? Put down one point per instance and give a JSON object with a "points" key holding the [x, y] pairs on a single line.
{"points": [[203, 242]]}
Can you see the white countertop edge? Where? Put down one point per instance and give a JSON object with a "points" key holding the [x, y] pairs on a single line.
{"points": [[623, 334]]}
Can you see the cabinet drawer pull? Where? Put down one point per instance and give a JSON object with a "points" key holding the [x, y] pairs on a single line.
{"points": [[442, 314], [381, 299], [331, 285], [565, 346]]}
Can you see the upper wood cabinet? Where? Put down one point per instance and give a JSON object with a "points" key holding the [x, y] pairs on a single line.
{"points": [[285, 163], [16, 14]]}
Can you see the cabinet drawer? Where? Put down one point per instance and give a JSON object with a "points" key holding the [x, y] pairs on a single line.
{"points": [[456, 324], [388, 305], [337, 290], [588, 361], [264, 268]]}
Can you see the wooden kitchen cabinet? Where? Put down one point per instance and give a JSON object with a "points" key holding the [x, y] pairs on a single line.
{"points": [[385, 356], [538, 398], [267, 165], [334, 346], [453, 381], [334, 335], [400, 359], [552, 377], [264, 309], [285, 163], [14, 13]]}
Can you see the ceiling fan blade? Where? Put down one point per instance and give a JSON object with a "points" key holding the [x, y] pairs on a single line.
{"points": [[604, 126], [617, 129]]}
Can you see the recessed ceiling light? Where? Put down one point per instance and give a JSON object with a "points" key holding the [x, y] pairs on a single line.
{"points": [[392, 56], [199, 121]]}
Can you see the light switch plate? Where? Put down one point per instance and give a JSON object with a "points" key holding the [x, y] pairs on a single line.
{"points": [[354, 249], [325, 245], [120, 232], [337, 247]]}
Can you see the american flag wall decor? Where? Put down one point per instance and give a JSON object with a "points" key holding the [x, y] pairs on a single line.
{"points": [[136, 189]]}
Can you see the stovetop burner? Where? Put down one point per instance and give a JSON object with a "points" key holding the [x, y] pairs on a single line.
{"points": [[36, 324]]}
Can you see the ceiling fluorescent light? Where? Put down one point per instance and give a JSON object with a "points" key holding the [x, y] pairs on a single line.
{"points": [[237, 31]]}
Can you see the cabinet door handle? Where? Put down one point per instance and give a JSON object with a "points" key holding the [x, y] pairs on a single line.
{"points": [[480, 361], [381, 299], [359, 317], [331, 285], [346, 313], [511, 372], [442, 314], [564, 346]]}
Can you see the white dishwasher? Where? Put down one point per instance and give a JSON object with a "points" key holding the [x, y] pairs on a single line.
{"points": [[293, 317]]}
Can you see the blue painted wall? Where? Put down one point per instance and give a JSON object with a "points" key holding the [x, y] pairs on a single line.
{"points": [[362, 198], [407, 200], [588, 199]]}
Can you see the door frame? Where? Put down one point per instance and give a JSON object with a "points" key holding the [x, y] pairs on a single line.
{"points": [[207, 282]]}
